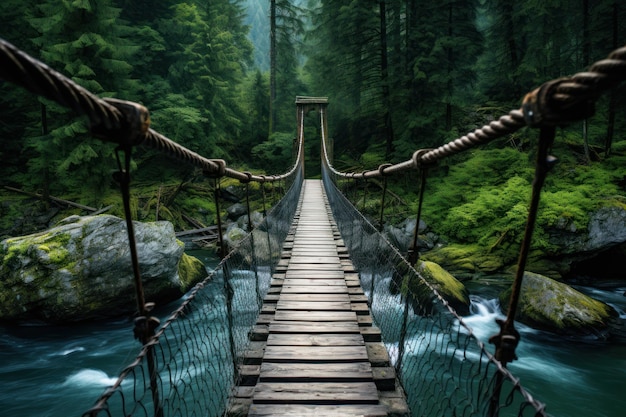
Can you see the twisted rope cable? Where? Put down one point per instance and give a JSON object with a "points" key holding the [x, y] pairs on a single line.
{"points": [[21, 69], [556, 102], [110, 120]]}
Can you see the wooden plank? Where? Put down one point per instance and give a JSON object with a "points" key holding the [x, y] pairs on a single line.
{"points": [[265, 410], [314, 267], [294, 288], [330, 274], [315, 259], [311, 251], [316, 282], [315, 340], [316, 393], [327, 354], [370, 333], [315, 297], [378, 355], [314, 305], [315, 316], [360, 308], [308, 372], [313, 328], [315, 242]]}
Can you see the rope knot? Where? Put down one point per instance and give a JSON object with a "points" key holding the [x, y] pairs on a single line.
{"points": [[217, 169], [145, 327], [133, 127], [247, 179], [417, 158], [506, 342], [381, 169], [559, 102]]}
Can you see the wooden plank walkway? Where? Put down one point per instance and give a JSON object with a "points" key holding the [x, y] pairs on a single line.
{"points": [[314, 350]]}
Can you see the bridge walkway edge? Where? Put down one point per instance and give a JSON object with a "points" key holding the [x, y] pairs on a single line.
{"points": [[314, 349]]}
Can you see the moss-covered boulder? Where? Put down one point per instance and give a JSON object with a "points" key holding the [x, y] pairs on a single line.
{"points": [[451, 289], [466, 259], [191, 270], [81, 270], [550, 305]]}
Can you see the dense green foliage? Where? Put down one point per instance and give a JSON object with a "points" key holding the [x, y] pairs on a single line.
{"points": [[400, 75]]}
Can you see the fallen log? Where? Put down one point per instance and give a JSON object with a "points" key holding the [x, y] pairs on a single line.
{"points": [[55, 199]]}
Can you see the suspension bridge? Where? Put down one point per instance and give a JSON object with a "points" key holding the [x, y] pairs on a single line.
{"points": [[307, 315]]}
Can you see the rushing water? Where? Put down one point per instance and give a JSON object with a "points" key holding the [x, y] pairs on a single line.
{"points": [[60, 371], [573, 378]]}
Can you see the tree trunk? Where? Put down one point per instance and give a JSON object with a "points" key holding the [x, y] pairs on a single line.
{"points": [[272, 66], [610, 128], [450, 57], [586, 44], [384, 75], [46, 174]]}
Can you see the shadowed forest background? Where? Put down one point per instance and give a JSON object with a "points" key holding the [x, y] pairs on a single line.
{"points": [[400, 75]]}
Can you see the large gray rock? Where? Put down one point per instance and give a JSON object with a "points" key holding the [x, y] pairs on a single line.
{"points": [[451, 289], [402, 235], [550, 305], [236, 211], [606, 228], [81, 270]]}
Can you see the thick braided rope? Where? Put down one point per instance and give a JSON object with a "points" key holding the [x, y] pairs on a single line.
{"points": [[554, 106], [111, 120], [35, 76]]}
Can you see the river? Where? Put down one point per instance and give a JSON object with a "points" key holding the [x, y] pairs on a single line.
{"points": [[59, 371]]}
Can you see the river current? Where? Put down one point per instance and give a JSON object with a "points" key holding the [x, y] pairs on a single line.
{"points": [[60, 371]]}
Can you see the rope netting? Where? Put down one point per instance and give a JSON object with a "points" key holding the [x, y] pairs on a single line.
{"points": [[443, 367], [188, 365], [199, 347]]}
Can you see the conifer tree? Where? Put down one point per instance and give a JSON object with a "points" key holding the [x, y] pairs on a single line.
{"points": [[209, 51], [289, 33], [86, 41]]}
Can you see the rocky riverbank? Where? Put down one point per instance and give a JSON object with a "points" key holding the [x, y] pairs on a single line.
{"points": [[81, 270]]}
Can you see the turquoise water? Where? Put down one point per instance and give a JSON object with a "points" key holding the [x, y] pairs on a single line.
{"points": [[572, 378], [60, 371]]}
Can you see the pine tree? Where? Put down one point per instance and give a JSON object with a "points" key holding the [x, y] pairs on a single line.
{"points": [[85, 41], [441, 47], [289, 33], [19, 109], [209, 51], [344, 63]]}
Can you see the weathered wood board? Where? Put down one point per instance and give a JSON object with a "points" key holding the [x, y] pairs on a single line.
{"points": [[315, 343]]}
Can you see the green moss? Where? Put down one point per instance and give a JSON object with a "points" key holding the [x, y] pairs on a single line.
{"points": [[452, 290], [54, 245], [445, 283], [468, 258], [191, 271], [482, 200], [554, 306]]}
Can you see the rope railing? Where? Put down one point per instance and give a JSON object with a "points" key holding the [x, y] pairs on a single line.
{"points": [[122, 122], [557, 102], [444, 368], [188, 365]]}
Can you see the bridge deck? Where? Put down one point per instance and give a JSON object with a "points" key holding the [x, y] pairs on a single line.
{"points": [[314, 350]]}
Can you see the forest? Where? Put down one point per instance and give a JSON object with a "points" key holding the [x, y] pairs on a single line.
{"points": [[400, 75]]}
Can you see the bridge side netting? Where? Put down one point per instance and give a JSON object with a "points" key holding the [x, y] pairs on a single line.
{"points": [[443, 367], [199, 347]]}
